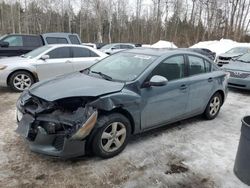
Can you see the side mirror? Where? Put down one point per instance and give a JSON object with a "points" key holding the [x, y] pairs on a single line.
{"points": [[44, 57], [158, 81], [4, 44]]}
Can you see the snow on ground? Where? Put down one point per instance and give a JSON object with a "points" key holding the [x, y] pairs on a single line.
{"points": [[192, 153], [220, 46]]}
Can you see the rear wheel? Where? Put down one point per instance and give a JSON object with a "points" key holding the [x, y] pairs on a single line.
{"points": [[112, 137], [213, 107], [21, 80]]}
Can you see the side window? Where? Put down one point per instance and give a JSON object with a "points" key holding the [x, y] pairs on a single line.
{"points": [[54, 40], [60, 53], [172, 68], [208, 66], [14, 40], [196, 65], [32, 41], [93, 54], [126, 46], [74, 39]]}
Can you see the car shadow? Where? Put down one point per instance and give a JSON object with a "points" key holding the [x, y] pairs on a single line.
{"points": [[6, 90]]}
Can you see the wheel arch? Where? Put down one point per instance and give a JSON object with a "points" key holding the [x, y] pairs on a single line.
{"points": [[123, 112], [222, 95], [34, 75]]}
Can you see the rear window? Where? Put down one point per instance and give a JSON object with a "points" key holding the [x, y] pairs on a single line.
{"points": [[74, 39], [56, 40], [32, 41]]}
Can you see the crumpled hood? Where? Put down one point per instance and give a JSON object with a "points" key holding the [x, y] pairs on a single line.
{"points": [[13, 60], [237, 66], [230, 54], [74, 85]]}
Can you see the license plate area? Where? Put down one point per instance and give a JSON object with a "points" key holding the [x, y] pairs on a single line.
{"points": [[24, 125]]}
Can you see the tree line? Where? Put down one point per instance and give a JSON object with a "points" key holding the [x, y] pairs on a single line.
{"points": [[183, 22]]}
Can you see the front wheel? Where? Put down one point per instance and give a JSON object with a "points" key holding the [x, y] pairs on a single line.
{"points": [[113, 135], [21, 80], [213, 107]]}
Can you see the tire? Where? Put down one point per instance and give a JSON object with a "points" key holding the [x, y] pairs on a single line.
{"points": [[21, 80], [112, 136], [213, 107]]}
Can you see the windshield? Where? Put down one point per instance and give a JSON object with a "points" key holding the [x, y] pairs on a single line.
{"points": [[123, 66], [238, 50], [36, 52], [108, 46], [245, 58], [2, 37]]}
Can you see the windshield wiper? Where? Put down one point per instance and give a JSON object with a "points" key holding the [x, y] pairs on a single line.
{"points": [[106, 77]]}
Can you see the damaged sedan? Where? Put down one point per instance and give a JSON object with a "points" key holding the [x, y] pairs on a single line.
{"points": [[96, 110]]}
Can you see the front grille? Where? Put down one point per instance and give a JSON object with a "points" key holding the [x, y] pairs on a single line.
{"points": [[239, 74], [225, 58], [59, 142]]}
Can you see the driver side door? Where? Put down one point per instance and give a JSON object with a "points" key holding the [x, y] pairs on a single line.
{"points": [[166, 103], [59, 63]]}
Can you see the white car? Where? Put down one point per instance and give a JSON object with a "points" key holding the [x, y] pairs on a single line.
{"points": [[46, 62]]}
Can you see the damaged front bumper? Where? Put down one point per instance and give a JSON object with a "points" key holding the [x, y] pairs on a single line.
{"points": [[52, 131]]}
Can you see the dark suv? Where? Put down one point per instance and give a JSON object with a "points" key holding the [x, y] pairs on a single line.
{"points": [[18, 44]]}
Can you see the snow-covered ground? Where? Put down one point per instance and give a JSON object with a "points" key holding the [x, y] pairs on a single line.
{"points": [[193, 153], [220, 46]]}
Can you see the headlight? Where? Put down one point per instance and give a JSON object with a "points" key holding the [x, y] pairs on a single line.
{"points": [[2, 67]]}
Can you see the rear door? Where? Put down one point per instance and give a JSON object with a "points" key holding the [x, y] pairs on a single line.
{"points": [[59, 63], [83, 58], [15, 47], [201, 83]]}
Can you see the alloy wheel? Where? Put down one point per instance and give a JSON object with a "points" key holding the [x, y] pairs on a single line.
{"points": [[22, 82], [214, 106], [113, 137]]}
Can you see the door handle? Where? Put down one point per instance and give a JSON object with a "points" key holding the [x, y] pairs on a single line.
{"points": [[183, 87], [210, 79]]}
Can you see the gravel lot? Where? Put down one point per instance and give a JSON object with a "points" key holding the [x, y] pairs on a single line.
{"points": [[192, 153]]}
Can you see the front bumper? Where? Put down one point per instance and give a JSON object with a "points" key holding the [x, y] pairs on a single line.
{"points": [[3, 77], [239, 83], [57, 145]]}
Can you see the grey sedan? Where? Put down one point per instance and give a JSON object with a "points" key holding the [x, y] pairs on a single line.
{"points": [[239, 71], [46, 62], [125, 94]]}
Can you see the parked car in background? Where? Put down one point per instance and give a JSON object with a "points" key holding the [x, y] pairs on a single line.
{"points": [[203, 51], [239, 70], [116, 47], [45, 62], [18, 44], [231, 54], [100, 45], [127, 93]]}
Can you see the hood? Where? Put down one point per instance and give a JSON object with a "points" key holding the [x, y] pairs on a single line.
{"points": [[237, 66], [230, 54], [74, 85], [13, 60]]}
